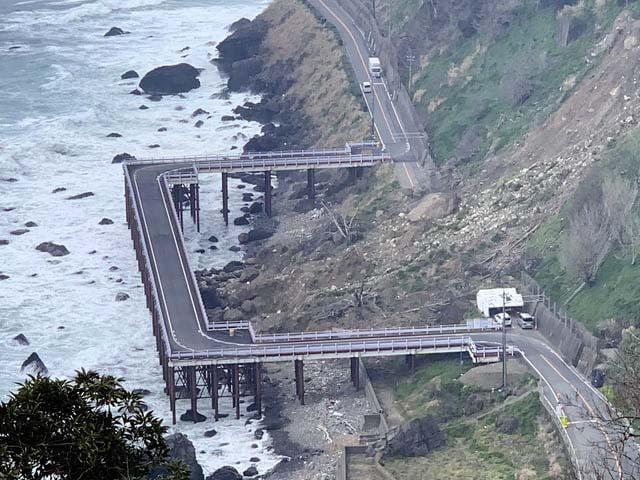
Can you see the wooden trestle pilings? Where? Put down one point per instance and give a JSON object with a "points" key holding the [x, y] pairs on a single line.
{"points": [[189, 193], [206, 381]]}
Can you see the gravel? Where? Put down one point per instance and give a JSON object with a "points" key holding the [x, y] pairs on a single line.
{"points": [[313, 433]]}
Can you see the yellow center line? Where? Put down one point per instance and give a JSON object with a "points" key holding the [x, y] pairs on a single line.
{"points": [[366, 69]]}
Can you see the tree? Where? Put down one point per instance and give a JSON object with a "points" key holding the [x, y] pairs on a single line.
{"points": [[632, 236], [618, 457], [586, 242], [618, 197], [87, 428]]}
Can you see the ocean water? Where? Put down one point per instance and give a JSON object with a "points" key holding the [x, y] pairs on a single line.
{"points": [[60, 95]]}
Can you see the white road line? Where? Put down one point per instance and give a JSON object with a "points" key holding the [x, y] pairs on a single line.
{"points": [[155, 263]]}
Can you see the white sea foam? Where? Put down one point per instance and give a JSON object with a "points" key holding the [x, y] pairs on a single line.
{"points": [[58, 139]]}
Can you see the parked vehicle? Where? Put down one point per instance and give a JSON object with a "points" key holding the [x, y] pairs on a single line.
{"points": [[366, 87], [525, 321], [597, 378], [503, 318], [374, 67]]}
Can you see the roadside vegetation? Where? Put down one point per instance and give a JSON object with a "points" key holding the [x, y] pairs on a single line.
{"points": [[589, 252], [505, 70], [487, 435]]}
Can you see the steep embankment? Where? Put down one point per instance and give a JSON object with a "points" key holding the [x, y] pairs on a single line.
{"points": [[299, 67], [522, 102]]}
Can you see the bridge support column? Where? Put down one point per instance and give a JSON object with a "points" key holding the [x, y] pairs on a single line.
{"points": [[194, 204], [236, 389], [225, 197], [410, 361], [258, 388], [172, 393], [311, 184], [299, 374], [267, 193], [197, 192], [177, 201], [352, 175], [355, 372], [193, 391], [214, 392]]}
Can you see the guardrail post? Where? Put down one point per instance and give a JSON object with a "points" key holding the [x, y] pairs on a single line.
{"points": [[225, 197], [267, 193]]}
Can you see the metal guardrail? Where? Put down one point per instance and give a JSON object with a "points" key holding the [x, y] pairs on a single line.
{"points": [[240, 156], [147, 263], [217, 163], [181, 250], [225, 326], [455, 343], [360, 333]]}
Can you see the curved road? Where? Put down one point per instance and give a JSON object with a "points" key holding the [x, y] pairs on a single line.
{"points": [[587, 411]]}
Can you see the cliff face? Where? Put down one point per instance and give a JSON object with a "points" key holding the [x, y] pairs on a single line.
{"points": [[298, 66]]}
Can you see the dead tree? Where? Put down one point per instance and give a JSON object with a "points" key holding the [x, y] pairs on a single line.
{"points": [[343, 223], [618, 197], [617, 456], [586, 242]]}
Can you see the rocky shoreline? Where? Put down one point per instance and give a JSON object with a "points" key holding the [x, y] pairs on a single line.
{"points": [[305, 436]]}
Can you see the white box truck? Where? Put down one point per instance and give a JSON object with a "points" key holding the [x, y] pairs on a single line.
{"points": [[374, 67]]}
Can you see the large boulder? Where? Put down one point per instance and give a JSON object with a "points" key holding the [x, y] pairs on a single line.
{"points": [[122, 157], [225, 473], [416, 438], [473, 404], [114, 32], [181, 448], [20, 339], [233, 266], [33, 365], [507, 424], [254, 235], [434, 206], [129, 74], [53, 249], [171, 79]]}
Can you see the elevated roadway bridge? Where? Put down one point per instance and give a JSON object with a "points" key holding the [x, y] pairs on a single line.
{"points": [[201, 359]]}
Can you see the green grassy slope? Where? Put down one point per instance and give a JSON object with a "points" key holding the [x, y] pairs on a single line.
{"points": [[616, 290]]}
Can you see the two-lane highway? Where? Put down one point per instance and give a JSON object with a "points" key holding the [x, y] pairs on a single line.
{"points": [[393, 130]]}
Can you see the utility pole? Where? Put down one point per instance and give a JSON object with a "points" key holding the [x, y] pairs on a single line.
{"points": [[410, 59], [504, 341]]}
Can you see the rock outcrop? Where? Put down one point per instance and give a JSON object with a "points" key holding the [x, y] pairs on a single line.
{"points": [[34, 365], [114, 32], [180, 448], [416, 438], [20, 339], [53, 249], [225, 473], [129, 74], [171, 79], [122, 157]]}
